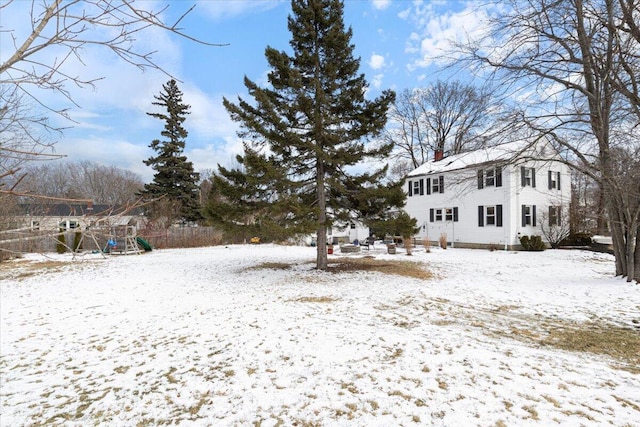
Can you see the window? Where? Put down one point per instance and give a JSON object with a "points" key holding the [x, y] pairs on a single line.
{"points": [[490, 216], [443, 214], [437, 184], [554, 215], [528, 176], [448, 214], [491, 177], [554, 180], [35, 225], [69, 225], [416, 187], [528, 215]]}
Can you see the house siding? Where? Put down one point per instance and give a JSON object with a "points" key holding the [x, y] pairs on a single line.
{"points": [[461, 191]]}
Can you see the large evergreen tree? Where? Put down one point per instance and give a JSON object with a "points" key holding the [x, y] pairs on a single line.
{"points": [[175, 183], [306, 134]]}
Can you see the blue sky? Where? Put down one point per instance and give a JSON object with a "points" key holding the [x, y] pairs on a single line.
{"points": [[398, 42]]}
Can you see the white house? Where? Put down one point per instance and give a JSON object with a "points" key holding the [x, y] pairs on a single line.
{"points": [[489, 197]]}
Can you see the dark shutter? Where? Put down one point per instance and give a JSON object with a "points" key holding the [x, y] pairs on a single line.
{"points": [[524, 215], [428, 185], [480, 216], [410, 188], [522, 176], [533, 177], [431, 215], [499, 215], [558, 180], [480, 180], [533, 215], [558, 210], [498, 176], [441, 178], [550, 180], [455, 214], [421, 187]]}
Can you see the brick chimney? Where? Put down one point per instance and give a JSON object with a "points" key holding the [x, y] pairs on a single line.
{"points": [[438, 155]]}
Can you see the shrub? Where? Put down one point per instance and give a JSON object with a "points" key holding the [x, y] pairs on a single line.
{"points": [[577, 239], [408, 245], [61, 244], [427, 244], [77, 237], [532, 243], [443, 240]]}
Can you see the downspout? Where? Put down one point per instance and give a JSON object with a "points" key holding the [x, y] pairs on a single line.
{"points": [[507, 199]]}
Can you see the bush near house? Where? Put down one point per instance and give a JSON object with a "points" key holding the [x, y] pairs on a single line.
{"points": [[532, 243]]}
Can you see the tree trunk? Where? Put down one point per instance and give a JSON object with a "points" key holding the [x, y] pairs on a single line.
{"points": [[617, 235], [601, 220], [637, 257], [632, 237], [321, 235]]}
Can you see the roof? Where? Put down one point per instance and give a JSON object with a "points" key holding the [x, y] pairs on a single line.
{"points": [[503, 153]]}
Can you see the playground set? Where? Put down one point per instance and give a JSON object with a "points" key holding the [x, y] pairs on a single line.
{"points": [[97, 236]]}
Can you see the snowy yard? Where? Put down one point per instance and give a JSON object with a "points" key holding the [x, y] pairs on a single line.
{"points": [[253, 335]]}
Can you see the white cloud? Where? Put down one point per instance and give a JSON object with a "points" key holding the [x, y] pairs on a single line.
{"points": [[376, 61], [381, 4], [212, 155], [437, 28], [376, 81]]}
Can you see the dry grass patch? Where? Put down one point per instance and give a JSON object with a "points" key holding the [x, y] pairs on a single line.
{"points": [[315, 299], [614, 341], [23, 268], [271, 266], [400, 268]]}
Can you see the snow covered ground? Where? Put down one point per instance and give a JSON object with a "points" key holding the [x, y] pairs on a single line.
{"points": [[208, 336]]}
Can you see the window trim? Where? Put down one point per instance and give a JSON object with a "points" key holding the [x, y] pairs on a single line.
{"points": [[555, 216], [490, 177], [440, 214], [528, 218], [482, 216], [554, 180], [528, 176]]}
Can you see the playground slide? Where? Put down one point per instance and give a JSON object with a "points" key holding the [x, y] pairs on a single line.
{"points": [[145, 245]]}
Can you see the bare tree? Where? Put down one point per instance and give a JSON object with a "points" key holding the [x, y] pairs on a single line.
{"points": [[60, 32], [565, 63], [555, 225], [84, 180], [446, 118]]}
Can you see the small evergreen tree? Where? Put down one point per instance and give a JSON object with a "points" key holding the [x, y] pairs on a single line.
{"points": [[174, 180], [304, 134], [61, 242]]}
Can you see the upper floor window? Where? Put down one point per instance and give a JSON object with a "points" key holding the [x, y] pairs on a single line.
{"points": [[437, 184], [416, 187], [554, 180], [490, 177], [528, 176]]}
